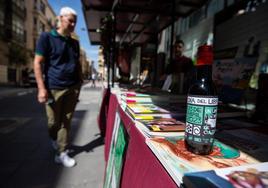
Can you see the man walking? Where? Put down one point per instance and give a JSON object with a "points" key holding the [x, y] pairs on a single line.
{"points": [[58, 54]]}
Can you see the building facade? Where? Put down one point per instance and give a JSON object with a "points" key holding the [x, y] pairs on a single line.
{"points": [[40, 17], [20, 27], [102, 70], [12, 39]]}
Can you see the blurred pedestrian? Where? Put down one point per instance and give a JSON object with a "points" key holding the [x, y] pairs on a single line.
{"points": [[58, 53], [93, 79]]}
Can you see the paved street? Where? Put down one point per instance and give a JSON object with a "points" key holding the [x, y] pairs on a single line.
{"points": [[27, 158]]}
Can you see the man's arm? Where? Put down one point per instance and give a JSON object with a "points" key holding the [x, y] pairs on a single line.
{"points": [[42, 91]]}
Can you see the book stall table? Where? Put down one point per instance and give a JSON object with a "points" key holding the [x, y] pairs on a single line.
{"points": [[136, 158], [141, 168]]}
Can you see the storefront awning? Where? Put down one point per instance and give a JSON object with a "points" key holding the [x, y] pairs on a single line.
{"points": [[137, 21]]}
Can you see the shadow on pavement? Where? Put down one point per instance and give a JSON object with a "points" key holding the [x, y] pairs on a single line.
{"points": [[89, 147]]}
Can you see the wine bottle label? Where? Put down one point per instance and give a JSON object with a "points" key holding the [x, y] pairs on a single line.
{"points": [[201, 119]]}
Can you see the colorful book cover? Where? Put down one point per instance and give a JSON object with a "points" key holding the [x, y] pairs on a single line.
{"points": [[147, 116], [245, 176], [164, 125], [161, 127], [177, 160], [145, 109], [134, 94], [132, 100]]}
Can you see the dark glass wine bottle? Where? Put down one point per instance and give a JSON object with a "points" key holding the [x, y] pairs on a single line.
{"points": [[202, 102]]}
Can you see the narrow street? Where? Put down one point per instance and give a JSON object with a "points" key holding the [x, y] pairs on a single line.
{"points": [[27, 158]]}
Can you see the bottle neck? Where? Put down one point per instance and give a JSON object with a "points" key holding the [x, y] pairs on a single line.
{"points": [[204, 72]]}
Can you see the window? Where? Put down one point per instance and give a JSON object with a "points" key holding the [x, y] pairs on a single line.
{"points": [[35, 21], [35, 4], [42, 7], [2, 17], [25, 36], [41, 27], [17, 25], [19, 3], [34, 43]]}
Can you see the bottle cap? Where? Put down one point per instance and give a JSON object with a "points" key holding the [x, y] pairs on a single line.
{"points": [[204, 55]]}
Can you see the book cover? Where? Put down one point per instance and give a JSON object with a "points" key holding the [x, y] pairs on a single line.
{"points": [[146, 109], [249, 176], [134, 94], [148, 116], [164, 125], [177, 160], [132, 100], [161, 127]]}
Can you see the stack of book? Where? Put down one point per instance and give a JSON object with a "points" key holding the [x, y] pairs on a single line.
{"points": [[146, 112], [154, 116]]}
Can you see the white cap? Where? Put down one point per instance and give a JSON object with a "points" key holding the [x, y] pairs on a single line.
{"points": [[66, 11]]}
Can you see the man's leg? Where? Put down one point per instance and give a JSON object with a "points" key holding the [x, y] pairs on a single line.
{"points": [[53, 111], [68, 106]]}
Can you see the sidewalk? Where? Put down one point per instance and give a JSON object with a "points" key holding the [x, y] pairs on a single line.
{"points": [[27, 158]]}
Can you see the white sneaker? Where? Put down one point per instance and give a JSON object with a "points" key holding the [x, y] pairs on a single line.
{"points": [[64, 159], [54, 144]]}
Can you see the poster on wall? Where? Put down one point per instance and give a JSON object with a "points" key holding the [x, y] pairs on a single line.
{"points": [[232, 76], [116, 155], [240, 43]]}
